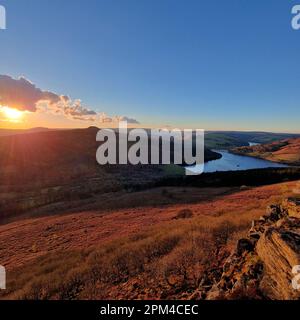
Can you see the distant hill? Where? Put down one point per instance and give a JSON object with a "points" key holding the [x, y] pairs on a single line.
{"points": [[213, 139], [222, 140], [11, 132], [261, 137], [50, 157], [232, 139], [46, 166], [285, 151], [44, 156]]}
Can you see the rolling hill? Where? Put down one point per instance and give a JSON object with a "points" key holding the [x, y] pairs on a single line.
{"points": [[42, 167], [284, 151]]}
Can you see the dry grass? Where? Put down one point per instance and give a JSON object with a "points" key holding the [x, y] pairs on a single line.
{"points": [[286, 151], [148, 255], [176, 254]]}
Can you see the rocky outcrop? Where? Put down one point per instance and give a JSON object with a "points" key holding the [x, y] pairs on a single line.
{"points": [[262, 265]]}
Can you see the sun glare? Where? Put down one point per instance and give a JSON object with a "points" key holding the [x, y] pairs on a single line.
{"points": [[12, 114]]}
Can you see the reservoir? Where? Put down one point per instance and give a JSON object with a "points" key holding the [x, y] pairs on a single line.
{"points": [[233, 162]]}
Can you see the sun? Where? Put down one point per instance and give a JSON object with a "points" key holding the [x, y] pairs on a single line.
{"points": [[12, 114]]}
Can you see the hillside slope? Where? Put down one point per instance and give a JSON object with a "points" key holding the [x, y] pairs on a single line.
{"points": [[43, 167], [285, 151], [118, 254]]}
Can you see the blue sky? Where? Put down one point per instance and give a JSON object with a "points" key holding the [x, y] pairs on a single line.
{"points": [[219, 64]]}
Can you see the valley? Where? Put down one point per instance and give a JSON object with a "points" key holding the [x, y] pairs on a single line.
{"points": [[63, 235]]}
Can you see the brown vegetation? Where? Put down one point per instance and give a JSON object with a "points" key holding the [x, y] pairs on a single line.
{"points": [[284, 151], [141, 253]]}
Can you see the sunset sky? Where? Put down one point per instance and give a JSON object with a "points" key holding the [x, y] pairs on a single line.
{"points": [[227, 65]]}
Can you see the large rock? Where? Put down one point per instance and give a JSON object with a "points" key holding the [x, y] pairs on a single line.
{"points": [[279, 249], [292, 207], [262, 265]]}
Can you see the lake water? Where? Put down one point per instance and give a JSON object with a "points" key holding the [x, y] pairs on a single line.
{"points": [[233, 162]]}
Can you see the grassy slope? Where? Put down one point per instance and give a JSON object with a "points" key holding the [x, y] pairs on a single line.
{"points": [[118, 254], [285, 151]]}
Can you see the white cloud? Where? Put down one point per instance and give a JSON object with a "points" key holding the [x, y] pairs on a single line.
{"points": [[23, 95]]}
